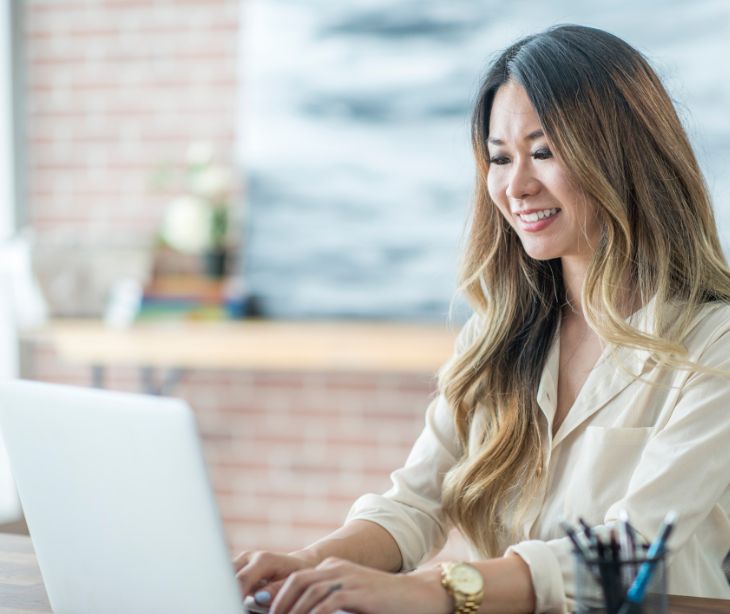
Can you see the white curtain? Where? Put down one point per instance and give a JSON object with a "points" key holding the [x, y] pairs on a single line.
{"points": [[21, 306], [9, 506]]}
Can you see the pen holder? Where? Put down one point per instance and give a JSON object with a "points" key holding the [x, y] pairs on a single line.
{"points": [[612, 586]]}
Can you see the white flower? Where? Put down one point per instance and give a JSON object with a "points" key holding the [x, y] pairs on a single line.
{"points": [[212, 183], [187, 225]]}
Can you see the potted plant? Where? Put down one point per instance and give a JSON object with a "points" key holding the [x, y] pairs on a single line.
{"points": [[199, 220]]}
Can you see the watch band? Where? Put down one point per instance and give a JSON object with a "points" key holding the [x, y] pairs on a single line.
{"points": [[464, 602], [468, 607]]}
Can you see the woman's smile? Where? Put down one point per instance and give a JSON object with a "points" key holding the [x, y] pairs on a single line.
{"points": [[535, 220]]}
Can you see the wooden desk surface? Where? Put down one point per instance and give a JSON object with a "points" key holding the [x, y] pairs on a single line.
{"points": [[21, 585], [22, 591], [264, 345]]}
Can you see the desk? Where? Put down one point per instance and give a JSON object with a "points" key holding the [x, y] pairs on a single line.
{"points": [[22, 592], [249, 345], [21, 585]]}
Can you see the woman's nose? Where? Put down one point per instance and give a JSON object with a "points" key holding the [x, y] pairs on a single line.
{"points": [[522, 182]]}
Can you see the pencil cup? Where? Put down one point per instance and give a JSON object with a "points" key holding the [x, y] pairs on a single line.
{"points": [[636, 586]]}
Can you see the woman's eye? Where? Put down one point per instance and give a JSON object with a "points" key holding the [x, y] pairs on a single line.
{"points": [[542, 154], [498, 160]]}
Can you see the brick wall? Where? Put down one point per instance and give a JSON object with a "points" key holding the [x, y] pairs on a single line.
{"points": [[114, 88]]}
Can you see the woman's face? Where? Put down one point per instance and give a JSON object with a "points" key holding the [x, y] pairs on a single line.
{"points": [[531, 187]]}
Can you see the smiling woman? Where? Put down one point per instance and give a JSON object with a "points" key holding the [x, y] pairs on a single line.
{"points": [[591, 379]]}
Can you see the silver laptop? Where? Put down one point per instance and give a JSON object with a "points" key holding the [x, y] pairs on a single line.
{"points": [[117, 500]]}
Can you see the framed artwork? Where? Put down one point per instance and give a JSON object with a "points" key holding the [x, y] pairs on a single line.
{"points": [[354, 136]]}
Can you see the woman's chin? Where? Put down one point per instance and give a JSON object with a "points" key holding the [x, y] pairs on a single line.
{"points": [[541, 252]]}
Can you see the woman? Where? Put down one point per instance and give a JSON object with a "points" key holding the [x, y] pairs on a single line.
{"points": [[592, 377]]}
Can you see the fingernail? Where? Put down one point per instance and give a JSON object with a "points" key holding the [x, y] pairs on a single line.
{"points": [[262, 597]]}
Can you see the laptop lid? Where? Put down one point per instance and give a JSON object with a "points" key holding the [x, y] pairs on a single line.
{"points": [[117, 500]]}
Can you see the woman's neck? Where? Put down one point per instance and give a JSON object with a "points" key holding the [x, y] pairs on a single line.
{"points": [[574, 274]]}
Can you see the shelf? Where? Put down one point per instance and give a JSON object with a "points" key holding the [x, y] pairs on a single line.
{"points": [[255, 345]]}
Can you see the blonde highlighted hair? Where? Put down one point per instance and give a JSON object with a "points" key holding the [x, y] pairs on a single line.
{"points": [[610, 120]]}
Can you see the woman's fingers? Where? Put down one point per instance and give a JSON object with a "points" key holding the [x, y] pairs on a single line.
{"points": [[302, 590], [340, 585], [253, 570], [241, 559], [340, 600], [256, 571], [268, 592], [288, 585], [315, 595]]}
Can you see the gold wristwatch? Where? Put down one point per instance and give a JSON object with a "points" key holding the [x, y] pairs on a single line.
{"points": [[465, 585]]}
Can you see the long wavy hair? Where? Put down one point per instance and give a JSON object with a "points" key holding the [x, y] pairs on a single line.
{"points": [[608, 117]]}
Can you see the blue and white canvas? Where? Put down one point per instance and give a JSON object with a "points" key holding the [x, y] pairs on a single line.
{"points": [[355, 136]]}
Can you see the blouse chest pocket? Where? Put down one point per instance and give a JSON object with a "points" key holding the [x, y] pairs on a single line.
{"points": [[601, 469]]}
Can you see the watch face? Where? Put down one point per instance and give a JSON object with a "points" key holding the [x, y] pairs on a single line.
{"points": [[466, 578]]}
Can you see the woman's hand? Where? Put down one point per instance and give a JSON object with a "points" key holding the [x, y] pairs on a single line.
{"points": [[260, 572], [340, 585], [265, 572]]}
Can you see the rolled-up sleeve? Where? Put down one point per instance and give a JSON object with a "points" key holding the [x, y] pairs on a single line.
{"points": [[549, 563], [411, 509]]}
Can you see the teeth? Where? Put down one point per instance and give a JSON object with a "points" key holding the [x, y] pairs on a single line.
{"points": [[538, 215]]}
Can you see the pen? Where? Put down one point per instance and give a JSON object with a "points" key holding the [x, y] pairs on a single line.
{"points": [[579, 546], [587, 530], [637, 591], [590, 535], [613, 544], [580, 549], [627, 542], [611, 573]]}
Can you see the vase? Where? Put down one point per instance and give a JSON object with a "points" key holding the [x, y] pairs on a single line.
{"points": [[215, 262]]}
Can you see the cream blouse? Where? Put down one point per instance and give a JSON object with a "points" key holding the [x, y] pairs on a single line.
{"points": [[639, 437]]}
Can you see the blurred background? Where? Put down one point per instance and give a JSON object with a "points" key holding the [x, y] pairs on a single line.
{"points": [[193, 162]]}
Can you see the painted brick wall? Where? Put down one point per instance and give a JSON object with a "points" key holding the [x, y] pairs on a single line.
{"points": [[114, 88]]}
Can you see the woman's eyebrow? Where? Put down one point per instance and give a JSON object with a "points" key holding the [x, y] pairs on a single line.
{"points": [[535, 134]]}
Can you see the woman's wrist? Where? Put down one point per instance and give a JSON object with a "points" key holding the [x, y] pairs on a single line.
{"points": [[309, 556], [507, 586], [427, 580], [359, 541]]}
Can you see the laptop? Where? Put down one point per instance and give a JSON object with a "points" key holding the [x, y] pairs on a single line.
{"points": [[117, 501]]}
